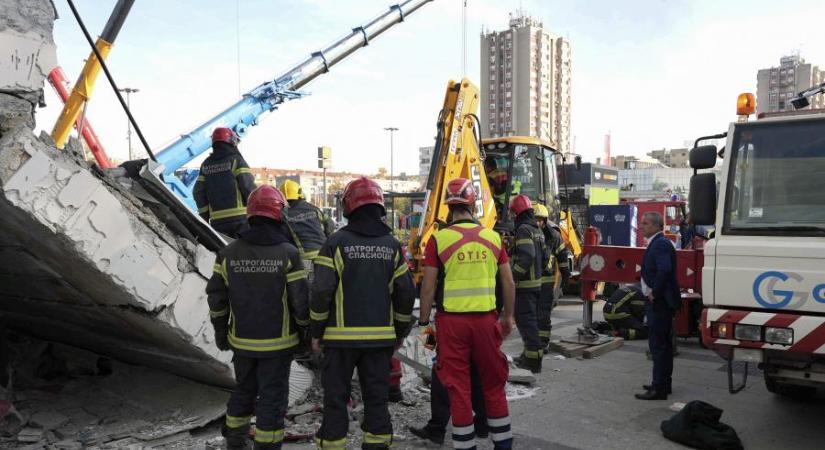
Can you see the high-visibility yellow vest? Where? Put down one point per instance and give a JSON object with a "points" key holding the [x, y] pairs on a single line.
{"points": [[469, 254]]}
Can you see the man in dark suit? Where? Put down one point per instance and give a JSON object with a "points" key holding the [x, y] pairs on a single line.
{"points": [[661, 287]]}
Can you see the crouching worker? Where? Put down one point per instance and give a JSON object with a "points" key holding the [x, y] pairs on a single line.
{"points": [[625, 312], [259, 306]]}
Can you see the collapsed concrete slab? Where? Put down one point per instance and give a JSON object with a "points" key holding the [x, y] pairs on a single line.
{"points": [[82, 263]]}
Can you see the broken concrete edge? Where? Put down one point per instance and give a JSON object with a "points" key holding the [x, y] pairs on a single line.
{"points": [[26, 40], [107, 271]]}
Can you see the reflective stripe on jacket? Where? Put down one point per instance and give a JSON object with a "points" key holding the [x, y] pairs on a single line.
{"points": [[261, 290], [363, 292]]}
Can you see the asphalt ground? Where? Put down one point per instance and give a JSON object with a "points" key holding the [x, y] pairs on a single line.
{"points": [[589, 403]]}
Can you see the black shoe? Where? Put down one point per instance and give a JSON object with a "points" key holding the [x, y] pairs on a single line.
{"points": [[427, 433], [652, 395], [649, 387]]}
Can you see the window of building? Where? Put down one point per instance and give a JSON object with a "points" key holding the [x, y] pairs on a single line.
{"points": [[508, 104], [492, 106], [508, 85], [508, 94]]}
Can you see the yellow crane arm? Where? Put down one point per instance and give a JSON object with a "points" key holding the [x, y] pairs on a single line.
{"points": [[456, 154], [82, 91]]}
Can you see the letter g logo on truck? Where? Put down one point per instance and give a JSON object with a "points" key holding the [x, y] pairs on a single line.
{"points": [[766, 294]]}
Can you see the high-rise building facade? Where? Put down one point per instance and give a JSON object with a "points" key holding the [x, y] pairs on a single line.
{"points": [[776, 86], [525, 82]]}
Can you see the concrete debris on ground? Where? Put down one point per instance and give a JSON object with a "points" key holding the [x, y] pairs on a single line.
{"points": [[59, 397]]}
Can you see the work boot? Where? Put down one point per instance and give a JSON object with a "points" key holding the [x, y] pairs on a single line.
{"points": [[531, 364], [236, 438], [428, 434], [267, 446]]}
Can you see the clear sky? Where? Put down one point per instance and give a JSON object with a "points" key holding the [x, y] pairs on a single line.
{"points": [[654, 73]]}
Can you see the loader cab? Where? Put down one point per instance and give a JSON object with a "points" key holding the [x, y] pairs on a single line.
{"points": [[521, 165]]}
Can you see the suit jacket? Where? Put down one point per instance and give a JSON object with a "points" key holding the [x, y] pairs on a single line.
{"points": [[659, 271]]}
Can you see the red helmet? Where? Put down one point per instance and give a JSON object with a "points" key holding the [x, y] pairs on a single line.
{"points": [[223, 134], [266, 201], [520, 203], [362, 191], [460, 191]]}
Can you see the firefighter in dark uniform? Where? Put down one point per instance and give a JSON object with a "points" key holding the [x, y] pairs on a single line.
{"points": [[259, 307], [559, 258], [360, 310], [224, 184], [309, 226], [529, 259], [625, 312]]}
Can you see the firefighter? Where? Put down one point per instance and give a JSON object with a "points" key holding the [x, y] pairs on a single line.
{"points": [[625, 312], [559, 259], [260, 266], [224, 184], [309, 226], [361, 310], [529, 259], [461, 263]]}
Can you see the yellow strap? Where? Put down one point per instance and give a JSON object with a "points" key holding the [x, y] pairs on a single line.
{"points": [[524, 242], [318, 316], [301, 323], [325, 261], [296, 275], [331, 444], [237, 172], [269, 437], [201, 178], [221, 313], [400, 271], [370, 438], [263, 345], [203, 209], [237, 422], [227, 213], [220, 269], [398, 317], [359, 333]]}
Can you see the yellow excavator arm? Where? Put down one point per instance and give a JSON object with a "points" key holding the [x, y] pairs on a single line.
{"points": [[456, 154]]}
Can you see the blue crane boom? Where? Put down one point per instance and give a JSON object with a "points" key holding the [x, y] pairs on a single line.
{"points": [[269, 95]]}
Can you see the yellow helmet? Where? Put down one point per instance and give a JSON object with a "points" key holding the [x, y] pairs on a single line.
{"points": [[292, 190], [540, 211]]}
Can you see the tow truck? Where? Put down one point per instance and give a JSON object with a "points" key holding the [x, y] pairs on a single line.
{"points": [[763, 281]]}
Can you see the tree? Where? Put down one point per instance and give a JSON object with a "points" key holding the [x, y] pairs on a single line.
{"points": [[659, 185], [382, 173]]}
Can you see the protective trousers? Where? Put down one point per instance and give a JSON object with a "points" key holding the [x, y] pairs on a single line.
{"points": [[629, 328], [373, 366], [527, 323], [264, 379], [464, 339], [440, 403], [660, 328], [544, 308]]}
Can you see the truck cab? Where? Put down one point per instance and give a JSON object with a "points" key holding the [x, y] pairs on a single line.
{"points": [[763, 280]]}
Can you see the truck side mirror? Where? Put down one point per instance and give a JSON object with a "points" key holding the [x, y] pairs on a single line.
{"points": [[703, 157], [702, 197], [578, 161]]}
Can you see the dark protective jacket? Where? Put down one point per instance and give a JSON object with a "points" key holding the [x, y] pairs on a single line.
{"points": [[309, 226], [529, 256], [258, 292], [363, 294], [625, 312], [559, 255], [223, 185]]}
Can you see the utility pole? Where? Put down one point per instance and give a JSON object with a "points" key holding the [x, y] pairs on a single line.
{"points": [[324, 163], [392, 130], [128, 92]]}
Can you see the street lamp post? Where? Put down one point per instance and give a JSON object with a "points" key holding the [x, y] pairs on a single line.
{"points": [[392, 130], [129, 91]]}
